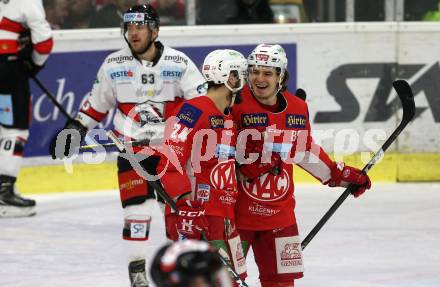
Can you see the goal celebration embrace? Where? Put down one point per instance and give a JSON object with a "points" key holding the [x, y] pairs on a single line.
{"points": [[225, 166]]}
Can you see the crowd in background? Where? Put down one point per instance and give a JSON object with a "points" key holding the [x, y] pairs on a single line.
{"points": [[79, 14]]}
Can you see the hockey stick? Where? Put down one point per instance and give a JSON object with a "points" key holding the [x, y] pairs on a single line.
{"points": [[406, 97], [160, 190], [112, 145], [51, 97]]}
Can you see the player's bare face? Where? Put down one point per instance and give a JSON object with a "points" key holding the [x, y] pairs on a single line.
{"points": [[233, 82], [139, 37], [264, 82]]}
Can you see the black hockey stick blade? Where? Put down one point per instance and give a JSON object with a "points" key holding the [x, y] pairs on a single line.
{"points": [[406, 97]]}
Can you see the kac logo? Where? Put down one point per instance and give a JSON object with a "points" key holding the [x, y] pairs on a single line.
{"points": [[223, 176], [268, 187]]}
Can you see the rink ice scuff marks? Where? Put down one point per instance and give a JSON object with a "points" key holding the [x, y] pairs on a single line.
{"points": [[386, 238]]}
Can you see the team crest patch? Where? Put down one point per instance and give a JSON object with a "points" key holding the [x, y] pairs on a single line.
{"points": [[203, 192], [296, 121], [254, 120], [216, 122], [289, 255], [189, 115]]}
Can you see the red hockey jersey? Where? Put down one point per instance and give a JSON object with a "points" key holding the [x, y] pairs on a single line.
{"points": [[201, 157], [268, 202]]}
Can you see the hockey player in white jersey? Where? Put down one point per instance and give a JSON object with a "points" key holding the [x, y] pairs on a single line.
{"points": [[17, 63], [143, 82]]}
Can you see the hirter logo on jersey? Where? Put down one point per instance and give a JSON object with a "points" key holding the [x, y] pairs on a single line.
{"points": [[223, 176], [268, 187], [296, 121], [254, 120], [188, 115], [216, 122]]}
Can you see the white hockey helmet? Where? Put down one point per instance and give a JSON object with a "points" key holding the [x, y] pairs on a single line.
{"points": [[219, 64], [269, 55]]}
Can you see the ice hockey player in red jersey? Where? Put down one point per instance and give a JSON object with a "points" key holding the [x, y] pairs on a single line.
{"points": [[18, 60], [203, 178], [141, 82], [189, 263], [279, 134]]}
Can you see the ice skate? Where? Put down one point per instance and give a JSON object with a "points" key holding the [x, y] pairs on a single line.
{"points": [[138, 276], [11, 203]]}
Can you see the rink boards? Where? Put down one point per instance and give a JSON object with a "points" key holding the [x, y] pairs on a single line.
{"points": [[346, 70]]}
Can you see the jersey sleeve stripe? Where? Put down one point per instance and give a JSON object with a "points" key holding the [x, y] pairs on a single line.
{"points": [[11, 26], [44, 47], [94, 114]]}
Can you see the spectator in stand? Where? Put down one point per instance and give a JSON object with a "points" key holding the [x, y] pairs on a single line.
{"points": [[110, 14], [172, 12], [80, 14], [215, 12], [253, 12], [56, 12]]}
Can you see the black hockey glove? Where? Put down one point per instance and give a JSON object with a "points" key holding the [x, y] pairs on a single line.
{"points": [[31, 68], [25, 53], [67, 141]]}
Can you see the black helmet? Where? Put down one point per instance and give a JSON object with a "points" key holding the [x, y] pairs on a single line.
{"points": [[142, 14], [179, 263]]}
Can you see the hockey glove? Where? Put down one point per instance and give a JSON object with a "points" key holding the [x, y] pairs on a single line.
{"points": [[343, 175], [66, 142], [191, 221], [258, 167], [25, 53], [32, 69]]}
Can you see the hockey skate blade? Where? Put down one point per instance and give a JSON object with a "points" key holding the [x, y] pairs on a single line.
{"points": [[8, 211]]}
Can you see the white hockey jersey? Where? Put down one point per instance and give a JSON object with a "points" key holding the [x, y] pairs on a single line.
{"points": [[139, 90], [18, 15]]}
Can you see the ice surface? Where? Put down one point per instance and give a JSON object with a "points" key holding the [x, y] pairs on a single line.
{"points": [[389, 237]]}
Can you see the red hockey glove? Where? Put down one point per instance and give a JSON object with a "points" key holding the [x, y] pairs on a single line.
{"points": [[258, 168], [191, 220], [343, 175]]}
